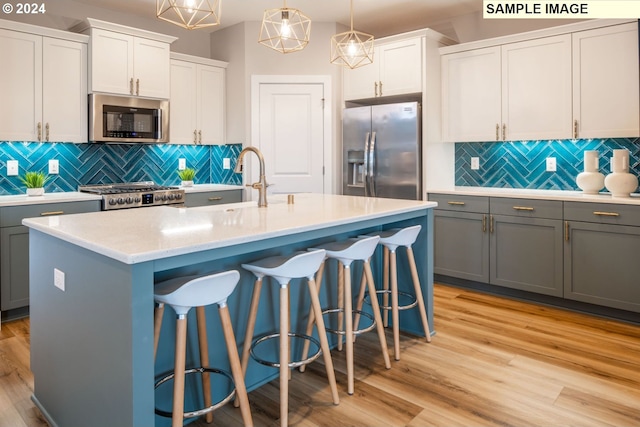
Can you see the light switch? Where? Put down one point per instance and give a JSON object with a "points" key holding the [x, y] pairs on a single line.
{"points": [[551, 164], [58, 279], [53, 167], [226, 163], [475, 163], [12, 168], [182, 164]]}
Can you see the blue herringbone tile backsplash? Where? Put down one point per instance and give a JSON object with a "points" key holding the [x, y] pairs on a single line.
{"points": [[522, 164], [82, 164]]}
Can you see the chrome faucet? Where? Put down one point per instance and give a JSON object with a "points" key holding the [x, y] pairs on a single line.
{"points": [[261, 185]]}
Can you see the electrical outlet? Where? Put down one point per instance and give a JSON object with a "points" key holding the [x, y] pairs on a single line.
{"points": [[551, 164], [182, 164], [12, 168], [54, 167], [226, 163], [58, 279], [475, 163]]}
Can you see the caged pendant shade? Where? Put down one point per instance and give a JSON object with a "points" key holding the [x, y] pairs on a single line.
{"points": [[190, 14], [352, 48], [285, 30]]}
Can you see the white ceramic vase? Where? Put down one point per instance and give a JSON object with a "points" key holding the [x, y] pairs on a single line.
{"points": [[35, 191], [620, 182], [187, 183], [591, 181]]}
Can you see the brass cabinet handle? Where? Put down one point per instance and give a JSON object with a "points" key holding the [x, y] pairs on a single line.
{"points": [[200, 137], [497, 132], [214, 199], [131, 86], [566, 231], [523, 208], [456, 203], [375, 88], [575, 129], [39, 131], [504, 132], [484, 223], [51, 213], [606, 213], [137, 86], [195, 136], [490, 224], [380, 88], [46, 132]]}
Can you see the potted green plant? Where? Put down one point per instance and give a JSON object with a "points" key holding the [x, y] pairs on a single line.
{"points": [[187, 175], [34, 181]]}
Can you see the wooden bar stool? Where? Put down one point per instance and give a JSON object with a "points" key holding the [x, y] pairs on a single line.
{"points": [[346, 252], [391, 240], [182, 294], [283, 269]]}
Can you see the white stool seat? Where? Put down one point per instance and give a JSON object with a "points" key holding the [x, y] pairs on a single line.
{"points": [[285, 268], [399, 236], [352, 249], [183, 293]]}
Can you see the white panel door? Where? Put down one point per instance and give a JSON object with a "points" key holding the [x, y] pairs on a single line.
{"points": [[151, 68], [210, 104], [182, 108], [111, 62], [291, 136]]}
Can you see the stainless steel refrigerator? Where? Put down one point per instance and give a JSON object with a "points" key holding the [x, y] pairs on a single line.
{"points": [[382, 153]]}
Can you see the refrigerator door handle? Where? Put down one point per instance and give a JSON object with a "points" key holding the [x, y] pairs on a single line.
{"points": [[372, 165], [366, 165]]}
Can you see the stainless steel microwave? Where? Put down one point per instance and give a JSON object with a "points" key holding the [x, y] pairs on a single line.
{"points": [[128, 119]]}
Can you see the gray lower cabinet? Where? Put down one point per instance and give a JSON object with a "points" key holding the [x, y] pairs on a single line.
{"points": [[212, 198], [14, 247], [461, 239], [601, 248]]}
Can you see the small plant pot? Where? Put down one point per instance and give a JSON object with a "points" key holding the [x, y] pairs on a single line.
{"points": [[35, 191], [187, 183]]}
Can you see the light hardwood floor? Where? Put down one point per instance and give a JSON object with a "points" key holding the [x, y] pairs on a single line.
{"points": [[493, 362]]}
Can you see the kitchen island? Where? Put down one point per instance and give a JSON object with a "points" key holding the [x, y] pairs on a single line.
{"points": [[92, 278]]}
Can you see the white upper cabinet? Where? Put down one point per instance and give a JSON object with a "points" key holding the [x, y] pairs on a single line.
{"points": [[197, 104], [605, 82], [127, 61], [44, 86], [536, 89], [471, 102], [396, 70], [517, 91]]}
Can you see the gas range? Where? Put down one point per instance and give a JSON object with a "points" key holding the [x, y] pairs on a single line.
{"points": [[134, 194]]}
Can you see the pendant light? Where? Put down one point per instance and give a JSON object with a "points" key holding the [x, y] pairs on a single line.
{"points": [[285, 30], [190, 14], [352, 48]]}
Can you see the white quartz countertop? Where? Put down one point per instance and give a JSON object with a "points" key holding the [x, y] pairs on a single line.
{"points": [[139, 235], [202, 188], [519, 193], [23, 199]]}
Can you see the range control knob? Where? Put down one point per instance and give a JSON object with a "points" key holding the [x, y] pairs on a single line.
{"points": [[164, 197], [120, 201], [129, 200], [112, 202], [178, 196], [172, 196]]}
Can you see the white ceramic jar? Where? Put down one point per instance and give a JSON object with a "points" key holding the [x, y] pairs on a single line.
{"points": [[620, 182], [591, 181]]}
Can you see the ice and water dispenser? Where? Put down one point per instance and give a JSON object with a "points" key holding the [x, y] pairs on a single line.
{"points": [[355, 162]]}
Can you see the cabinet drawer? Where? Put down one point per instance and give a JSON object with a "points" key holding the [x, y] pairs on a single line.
{"points": [[602, 213], [212, 198], [529, 208], [453, 202], [13, 215]]}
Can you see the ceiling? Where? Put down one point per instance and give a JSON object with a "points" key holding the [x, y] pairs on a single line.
{"points": [[377, 17]]}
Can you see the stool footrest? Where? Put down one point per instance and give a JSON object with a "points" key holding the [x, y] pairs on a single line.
{"points": [[292, 363], [356, 331], [410, 297], [203, 411]]}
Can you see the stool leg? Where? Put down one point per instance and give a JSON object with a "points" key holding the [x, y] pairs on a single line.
{"points": [[376, 314], [348, 317], [363, 287], [236, 368], [157, 326], [324, 343], [340, 302], [251, 323], [385, 285], [311, 317], [284, 355], [179, 367], [394, 306], [204, 359], [418, 290]]}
